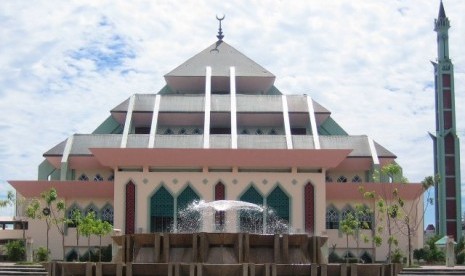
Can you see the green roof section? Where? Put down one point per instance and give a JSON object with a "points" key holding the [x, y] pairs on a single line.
{"points": [[109, 126], [273, 91], [330, 127]]}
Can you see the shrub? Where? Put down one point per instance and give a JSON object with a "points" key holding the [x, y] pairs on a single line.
{"points": [[397, 256], [15, 250], [41, 254]]}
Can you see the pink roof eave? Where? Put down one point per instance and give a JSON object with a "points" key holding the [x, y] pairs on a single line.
{"points": [[259, 158], [65, 189]]}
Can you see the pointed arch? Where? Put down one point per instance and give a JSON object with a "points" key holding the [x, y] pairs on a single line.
{"points": [[309, 197], [72, 255], [279, 201], [107, 213], [220, 215], [186, 197], [251, 221], [366, 258], [193, 222], [92, 208], [332, 217], [161, 210], [69, 214], [130, 208]]}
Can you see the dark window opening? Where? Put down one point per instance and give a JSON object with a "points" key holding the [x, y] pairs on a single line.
{"points": [[220, 130], [298, 131], [142, 130]]}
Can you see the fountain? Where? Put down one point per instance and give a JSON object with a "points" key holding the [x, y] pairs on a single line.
{"points": [[229, 216], [223, 237]]}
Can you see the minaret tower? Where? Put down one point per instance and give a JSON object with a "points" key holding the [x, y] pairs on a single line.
{"points": [[447, 152]]}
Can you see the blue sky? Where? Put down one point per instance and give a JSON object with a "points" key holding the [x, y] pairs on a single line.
{"points": [[65, 64]]}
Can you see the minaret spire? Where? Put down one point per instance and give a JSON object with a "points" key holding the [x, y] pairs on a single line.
{"points": [[220, 31], [442, 12], [446, 141]]}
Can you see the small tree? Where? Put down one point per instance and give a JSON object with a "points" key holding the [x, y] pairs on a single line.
{"points": [[101, 228], [349, 226], [76, 220], [86, 228], [409, 218], [53, 213], [384, 206]]}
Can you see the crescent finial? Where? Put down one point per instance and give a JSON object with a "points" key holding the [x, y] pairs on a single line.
{"points": [[220, 31]]}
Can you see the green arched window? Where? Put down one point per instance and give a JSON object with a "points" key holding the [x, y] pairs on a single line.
{"points": [[190, 221], [251, 221], [161, 211], [279, 202]]}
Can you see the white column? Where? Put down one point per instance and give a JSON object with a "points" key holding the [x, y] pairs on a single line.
{"points": [[232, 80], [206, 124], [287, 125], [127, 123], [374, 154], [153, 127], [311, 113], [64, 158]]}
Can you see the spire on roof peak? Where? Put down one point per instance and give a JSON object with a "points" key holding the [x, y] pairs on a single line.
{"points": [[220, 32], [442, 12]]}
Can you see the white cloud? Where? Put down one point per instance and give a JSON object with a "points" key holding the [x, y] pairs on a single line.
{"points": [[366, 61]]}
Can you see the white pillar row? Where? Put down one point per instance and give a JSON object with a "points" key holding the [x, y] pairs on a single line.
{"points": [[127, 123], [232, 81], [311, 113], [206, 124], [287, 125], [153, 127]]}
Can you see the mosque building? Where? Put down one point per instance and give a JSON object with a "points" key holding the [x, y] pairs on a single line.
{"points": [[221, 130]]}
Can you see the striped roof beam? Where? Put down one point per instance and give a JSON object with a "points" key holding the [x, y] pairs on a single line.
{"points": [[65, 157], [208, 91], [374, 157], [287, 126], [127, 123], [311, 113], [232, 81], [153, 126]]}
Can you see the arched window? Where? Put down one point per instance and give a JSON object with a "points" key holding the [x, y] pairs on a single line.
{"points": [[332, 218], [161, 211], [69, 214], [356, 179], [366, 258], [190, 222], [342, 179], [219, 215], [83, 177], [98, 177], [278, 201], [107, 213], [91, 208], [251, 221], [345, 213], [366, 218]]}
